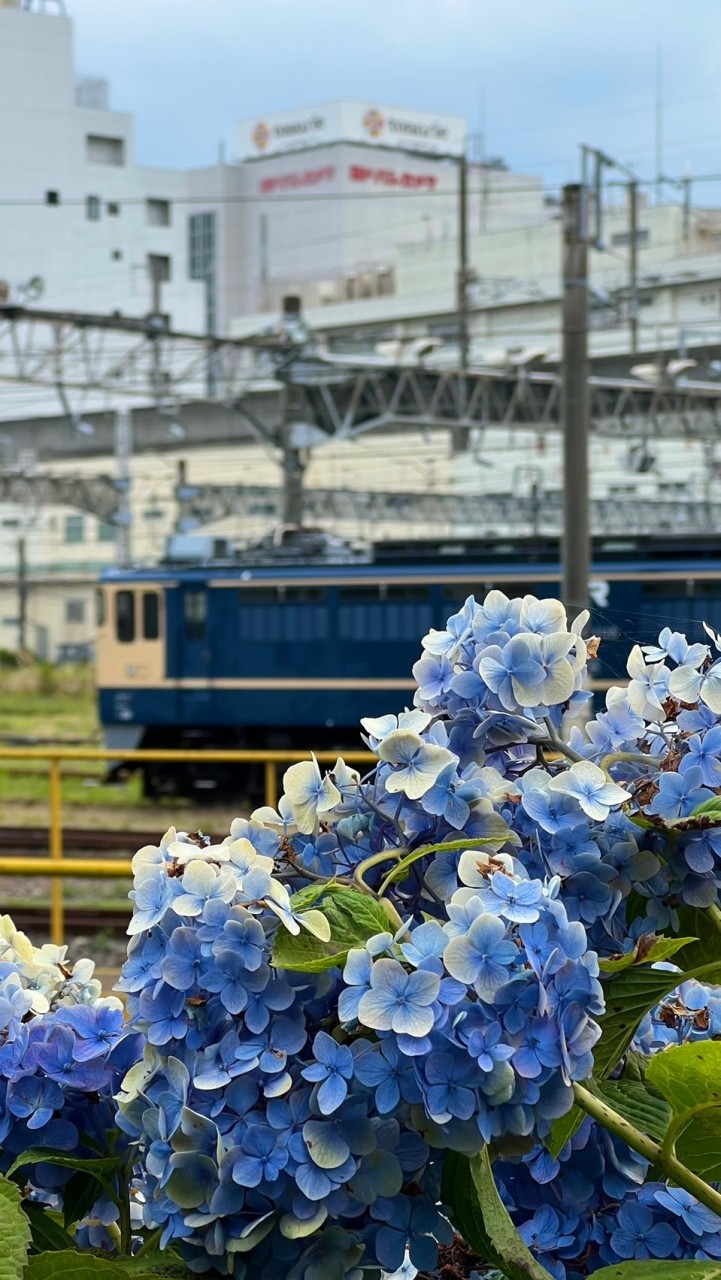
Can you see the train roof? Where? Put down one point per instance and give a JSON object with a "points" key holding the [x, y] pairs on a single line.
{"points": [[460, 559]]}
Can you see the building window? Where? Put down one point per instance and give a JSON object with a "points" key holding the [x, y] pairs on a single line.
{"points": [[125, 617], [106, 531], [74, 610], [384, 281], [624, 237], [113, 209], [92, 208], [74, 528], [52, 197], [103, 150], [201, 260], [351, 284], [157, 213], [159, 267], [201, 245], [151, 615]]}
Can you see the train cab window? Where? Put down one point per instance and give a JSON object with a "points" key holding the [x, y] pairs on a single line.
{"points": [[125, 616], [100, 614], [151, 615], [196, 614]]}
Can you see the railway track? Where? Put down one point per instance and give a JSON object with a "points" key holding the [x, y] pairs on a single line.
{"points": [[78, 841], [79, 921]]}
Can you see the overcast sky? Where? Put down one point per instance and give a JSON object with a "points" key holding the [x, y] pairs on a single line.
{"points": [[537, 76]]}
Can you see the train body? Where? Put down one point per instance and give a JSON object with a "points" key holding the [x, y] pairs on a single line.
{"points": [[258, 651]]}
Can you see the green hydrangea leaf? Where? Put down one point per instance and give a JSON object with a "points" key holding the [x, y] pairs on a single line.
{"points": [[353, 917], [14, 1232]]}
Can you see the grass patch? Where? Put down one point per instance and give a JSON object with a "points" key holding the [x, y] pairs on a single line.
{"points": [[55, 703]]}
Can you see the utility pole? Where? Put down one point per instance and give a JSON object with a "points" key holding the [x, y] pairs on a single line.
{"points": [[459, 435], [22, 597], [123, 458], [659, 124], [293, 464], [686, 207], [633, 262], [575, 549]]}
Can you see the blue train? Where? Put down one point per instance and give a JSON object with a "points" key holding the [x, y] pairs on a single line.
{"points": [[288, 645]]}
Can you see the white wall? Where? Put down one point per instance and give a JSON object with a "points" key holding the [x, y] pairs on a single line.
{"points": [[43, 148]]}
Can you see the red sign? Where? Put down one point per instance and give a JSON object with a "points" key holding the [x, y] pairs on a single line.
{"points": [[391, 178], [291, 181]]}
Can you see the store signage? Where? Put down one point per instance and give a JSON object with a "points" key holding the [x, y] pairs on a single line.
{"points": [[292, 181], [392, 178], [369, 123]]}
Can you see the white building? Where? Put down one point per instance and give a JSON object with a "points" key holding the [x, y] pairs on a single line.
{"points": [[333, 193], [78, 216]]}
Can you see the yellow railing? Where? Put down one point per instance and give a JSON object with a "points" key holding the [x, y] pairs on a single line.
{"points": [[57, 866]]}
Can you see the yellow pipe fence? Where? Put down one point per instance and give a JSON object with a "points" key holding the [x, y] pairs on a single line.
{"points": [[58, 867]]}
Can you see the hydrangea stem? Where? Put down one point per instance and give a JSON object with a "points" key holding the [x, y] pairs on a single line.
{"points": [[629, 757], [714, 914], [556, 741], [673, 1168]]}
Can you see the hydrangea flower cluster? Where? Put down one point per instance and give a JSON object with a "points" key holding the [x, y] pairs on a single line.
{"points": [[63, 1049], [389, 968]]}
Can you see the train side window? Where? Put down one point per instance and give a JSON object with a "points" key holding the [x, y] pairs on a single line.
{"points": [[151, 615], [365, 594], [458, 592], [196, 614], [125, 616], [100, 614], [302, 595]]}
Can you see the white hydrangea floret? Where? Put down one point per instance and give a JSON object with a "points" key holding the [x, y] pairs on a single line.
{"points": [[590, 786]]}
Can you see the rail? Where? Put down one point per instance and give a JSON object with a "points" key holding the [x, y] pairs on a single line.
{"points": [[58, 867]]}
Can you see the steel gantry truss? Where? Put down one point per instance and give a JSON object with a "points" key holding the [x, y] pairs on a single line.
{"points": [[481, 514], [202, 504], [98, 495], [343, 402], [144, 358]]}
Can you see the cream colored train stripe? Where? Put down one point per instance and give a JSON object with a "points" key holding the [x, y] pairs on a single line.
{"points": [[301, 682], [251, 682]]}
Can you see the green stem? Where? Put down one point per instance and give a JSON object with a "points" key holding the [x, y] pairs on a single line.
{"points": [[628, 757], [149, 1245], [714, 914], [558, 744], [387, 855], [446, 846], [123, 1202], [646, 1147], [113, 1231]]}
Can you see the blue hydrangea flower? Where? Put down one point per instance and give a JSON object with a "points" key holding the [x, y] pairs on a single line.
{"points": [[483, 957], [399, 1001], [679, 794], [639, 1236], [332, 1068], [517, 900]]}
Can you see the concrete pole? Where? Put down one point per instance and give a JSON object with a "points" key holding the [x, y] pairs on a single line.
{"points": [[633, 263], [459, 435], [292, 498], [123, 460], [575, 551], [22, 597]]}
